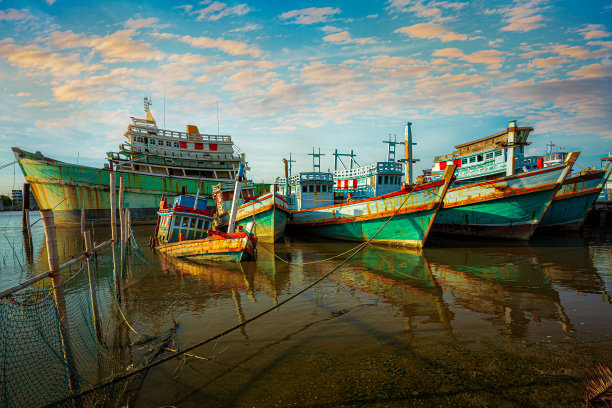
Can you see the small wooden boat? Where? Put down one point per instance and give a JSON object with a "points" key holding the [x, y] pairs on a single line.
{"points": [[181, 222]]}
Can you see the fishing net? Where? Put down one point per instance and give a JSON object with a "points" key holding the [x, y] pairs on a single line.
{"points": [[51, 352]]}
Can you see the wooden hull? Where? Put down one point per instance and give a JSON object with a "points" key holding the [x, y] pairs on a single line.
{"points": [[215, 250], [573, 201], [506, 208], [269, 212], [402, 218]]}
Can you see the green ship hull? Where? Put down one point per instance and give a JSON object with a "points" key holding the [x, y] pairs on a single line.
{"points": [[67, 188]]}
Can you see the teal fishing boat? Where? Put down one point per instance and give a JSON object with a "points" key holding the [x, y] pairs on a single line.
{"points": [[401, 218], [269, 211], [496, 194], [576, 196]]}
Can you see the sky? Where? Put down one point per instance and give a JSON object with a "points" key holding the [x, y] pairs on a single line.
{"points": [[285, 77]]}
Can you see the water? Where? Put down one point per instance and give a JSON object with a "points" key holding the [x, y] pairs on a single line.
{"points": [[461, 323]]}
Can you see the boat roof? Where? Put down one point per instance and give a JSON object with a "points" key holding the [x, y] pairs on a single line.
{"points": [[524, 128]]}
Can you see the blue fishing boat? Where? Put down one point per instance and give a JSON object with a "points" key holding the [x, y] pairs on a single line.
{"points": [[183, 231]]}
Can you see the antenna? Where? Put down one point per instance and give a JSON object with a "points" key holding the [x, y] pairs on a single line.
{"points": [[290, 161], [351, 155], [392, 144], [316, 166]]}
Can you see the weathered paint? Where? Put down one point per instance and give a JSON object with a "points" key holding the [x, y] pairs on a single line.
{"points": [[508, 207], [405, 216], [206, 250], [574, 199], [269, 212], [66, 188]]}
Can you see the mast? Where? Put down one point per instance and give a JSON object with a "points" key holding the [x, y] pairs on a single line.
{"points": [[512, 129], [408, 159], [239, 179]]}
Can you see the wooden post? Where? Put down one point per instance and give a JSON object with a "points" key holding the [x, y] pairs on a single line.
{"points": [[112, 207], [92, 289], [128, 224], [82, 222], [121, 215], [58, 297], [25, 207]]}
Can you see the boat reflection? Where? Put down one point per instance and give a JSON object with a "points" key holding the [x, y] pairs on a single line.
{"points": [[400, 277], [507, 285]]}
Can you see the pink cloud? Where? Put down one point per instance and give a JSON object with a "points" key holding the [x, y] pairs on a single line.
{"points": [[430, 31], [310, 15], [345, 38]]}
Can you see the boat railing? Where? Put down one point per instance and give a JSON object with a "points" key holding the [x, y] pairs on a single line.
{"points": [[445, 157], [369, 170], [310, 176], [138, 130]]}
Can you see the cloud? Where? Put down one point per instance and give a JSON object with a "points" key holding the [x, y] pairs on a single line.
{"points": [[593, 71], [492, 58], [432, 11], [310, 15], [229, 46], [523, 16], [33, 103], [116, 47], [345, 38], [14, 15], [248, 27], [24, 94], [50, 2], [594, 31], [138, 23], [217, 10], [35, 59], [430, 31]]}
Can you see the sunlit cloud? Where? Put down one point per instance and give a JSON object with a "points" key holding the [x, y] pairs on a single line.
{"points": [[344, 37], [431, 11], [34, 103], [14, 15], [310, 15], [217, 10], [594, 31], [523, 16], [431, 31], [230, 47]]}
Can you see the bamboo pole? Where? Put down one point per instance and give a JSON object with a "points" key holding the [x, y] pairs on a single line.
{"points": [[58, 297], [128, 226], [113, 207], [82, 221], [92, 289], [25, 206], [121, 215]]}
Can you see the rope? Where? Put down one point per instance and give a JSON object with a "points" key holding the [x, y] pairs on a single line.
{"points": [[124, 376], [310, 262]]}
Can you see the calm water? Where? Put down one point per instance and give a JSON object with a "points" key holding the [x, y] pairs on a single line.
{"points": [[462, 323]]}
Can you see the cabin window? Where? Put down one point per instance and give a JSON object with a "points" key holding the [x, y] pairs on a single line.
{"points": [[472, 159], [489, 155], [176, 144], [169, 144], [464, 161], [498, 153], [185, 222], [206, 224], [311, 189], [380, 179], [152, 141], [177, 221], [480, 157], [200, 224], [304, 189], [324, 189], [318, 190], [386, 179]]}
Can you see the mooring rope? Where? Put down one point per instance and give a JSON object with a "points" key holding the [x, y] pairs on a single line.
{"points": [[146, 367]]}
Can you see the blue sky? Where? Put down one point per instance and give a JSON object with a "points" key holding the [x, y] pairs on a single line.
{"points": [[290, 76]]}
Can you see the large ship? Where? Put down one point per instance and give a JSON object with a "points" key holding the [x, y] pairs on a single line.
{"points": [[152, 162]]}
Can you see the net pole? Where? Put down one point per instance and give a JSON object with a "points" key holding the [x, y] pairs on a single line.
{"points": [[113, 206], [59, 299], [92, 288]]}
